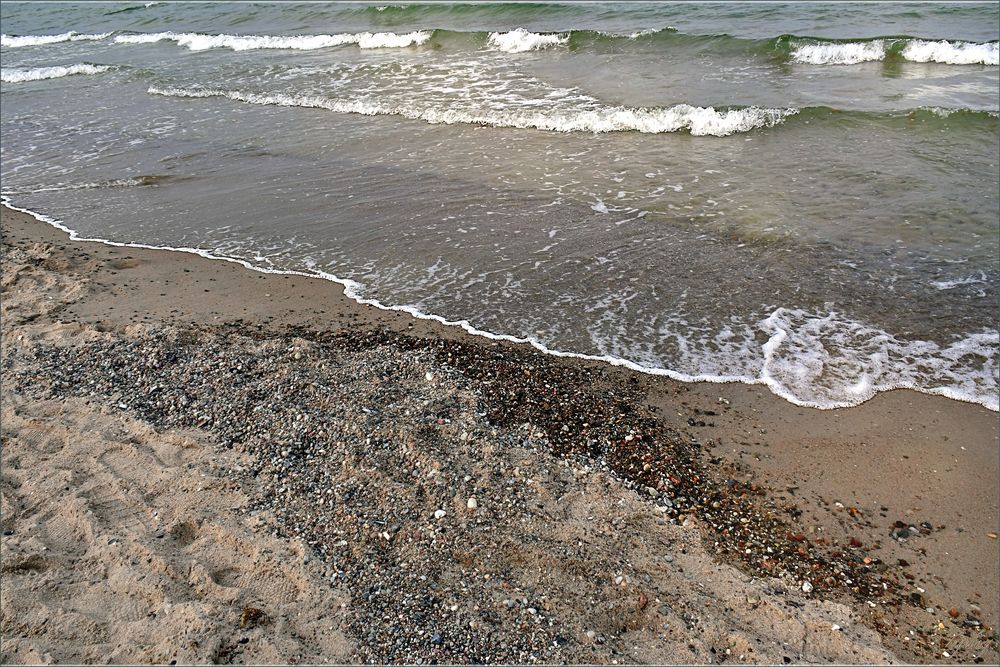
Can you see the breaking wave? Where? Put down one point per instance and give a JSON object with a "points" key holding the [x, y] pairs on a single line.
{"points": [[201, 42], [19, 74], [16, 41], [517, 41], [791, 48], [699, 121], [816, 52]]}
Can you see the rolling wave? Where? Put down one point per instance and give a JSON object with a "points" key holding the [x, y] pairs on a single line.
{"points": [[785, 48], [20, 74], [696, 120], [699, 121], [201, 42]]}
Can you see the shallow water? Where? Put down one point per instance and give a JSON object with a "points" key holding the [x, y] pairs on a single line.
{"points": [[802, 196]]}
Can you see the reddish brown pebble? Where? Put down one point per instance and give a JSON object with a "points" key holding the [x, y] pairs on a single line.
{"points": [[953, 612], [643, 601]]}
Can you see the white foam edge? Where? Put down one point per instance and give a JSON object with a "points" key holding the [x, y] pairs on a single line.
{"points": [[353, 289]]}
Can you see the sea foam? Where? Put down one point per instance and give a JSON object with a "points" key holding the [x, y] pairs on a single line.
{"points": [[19, 74], [699, 121]]}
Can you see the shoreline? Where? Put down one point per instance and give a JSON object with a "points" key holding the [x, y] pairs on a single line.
{"points": [[925, 459], [349, 287]]}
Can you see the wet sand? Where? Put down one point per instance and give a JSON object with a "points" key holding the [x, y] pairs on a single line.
{"points": [[841, 480]]}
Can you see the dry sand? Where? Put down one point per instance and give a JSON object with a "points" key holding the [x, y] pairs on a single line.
{"points": [[131, 541]]}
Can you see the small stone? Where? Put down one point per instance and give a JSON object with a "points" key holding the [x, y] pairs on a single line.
{"points": [[835, 627], [439, 514], [953, 612], [429, 376], [472, 504], [807, 587], [591, 634], [509, 603]]}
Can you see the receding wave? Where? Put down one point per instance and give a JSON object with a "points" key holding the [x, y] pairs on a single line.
{"points": [[20, 74], [201, 42], [812, 359], [16, 41], [144, 180], [699, 121]]}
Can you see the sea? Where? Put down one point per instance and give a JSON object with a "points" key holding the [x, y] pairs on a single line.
{"points": [[797, 195]]}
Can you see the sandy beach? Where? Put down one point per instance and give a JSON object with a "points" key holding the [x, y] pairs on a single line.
{"points": [[202, 463]]}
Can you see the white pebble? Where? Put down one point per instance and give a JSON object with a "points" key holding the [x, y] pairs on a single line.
{"points": [[472, 504], [439, 514], [807, 587]]}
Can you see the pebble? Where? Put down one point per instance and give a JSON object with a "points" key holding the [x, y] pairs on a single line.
{"points": [[362, 407]]}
